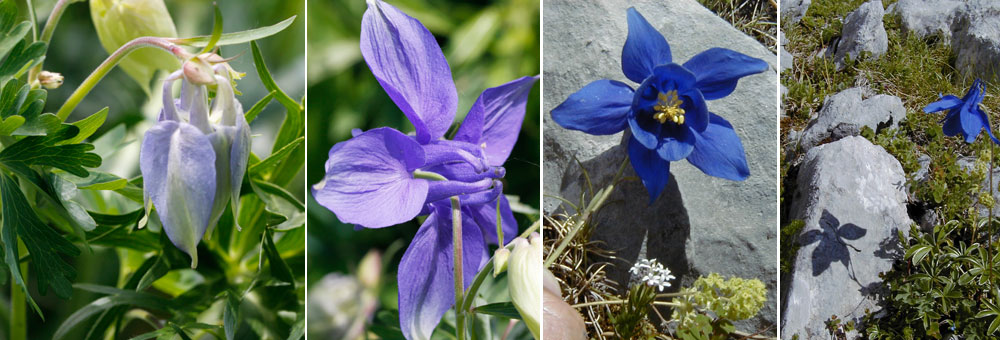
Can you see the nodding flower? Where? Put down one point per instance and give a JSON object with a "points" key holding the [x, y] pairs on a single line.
{"points": [[964, 116], [194, 158]]}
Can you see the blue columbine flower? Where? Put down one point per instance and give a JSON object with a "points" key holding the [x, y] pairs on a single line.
{"points": [[964, 115], [193, 159], [383, 177], [666, 114]]}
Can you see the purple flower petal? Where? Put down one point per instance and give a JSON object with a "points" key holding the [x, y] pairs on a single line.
{"points": [[407, 61], [369, 179], [178, 168], [425, 278], [719, 69], [653, 170], [645, 48], [485, 216], [945, 103], [600, 108], [718, 151], [495, 119]]}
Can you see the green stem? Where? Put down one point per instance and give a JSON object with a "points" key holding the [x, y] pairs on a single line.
{"points": [[594, 205], [18, 304], [989, 229], [50, 27], [109, 63], [431, 176], [456, 226]]}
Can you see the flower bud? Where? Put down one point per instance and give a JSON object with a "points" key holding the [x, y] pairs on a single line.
{"points": [[193, 160], [525, 278], [119, 21], [50, 80], [500, 258], [370, 269]]}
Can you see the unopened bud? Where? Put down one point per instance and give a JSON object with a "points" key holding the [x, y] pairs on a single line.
{"points": [[119, 21], [50, 80]]}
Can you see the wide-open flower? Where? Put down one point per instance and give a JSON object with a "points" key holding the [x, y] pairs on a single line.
{"points": [[666, 114], [964, 115], [383, 177], [193, 159]]}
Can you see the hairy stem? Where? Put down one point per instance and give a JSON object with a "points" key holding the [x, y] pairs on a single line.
{"points": [[456, 226], [109, 63]]}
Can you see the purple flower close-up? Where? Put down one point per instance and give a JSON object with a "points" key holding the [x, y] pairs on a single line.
{"points": [[667, 113], [383, 177]]}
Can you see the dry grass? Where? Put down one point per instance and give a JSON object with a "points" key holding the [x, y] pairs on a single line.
{"points": [[756, 18]]}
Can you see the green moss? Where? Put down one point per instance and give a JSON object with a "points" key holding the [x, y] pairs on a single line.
{"points": [[790, 244]]}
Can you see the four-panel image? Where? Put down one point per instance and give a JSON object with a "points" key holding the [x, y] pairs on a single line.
{"points": [[499, 169]]}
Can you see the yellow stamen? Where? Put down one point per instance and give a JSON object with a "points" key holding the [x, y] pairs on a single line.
{"points": [[668, 107]]}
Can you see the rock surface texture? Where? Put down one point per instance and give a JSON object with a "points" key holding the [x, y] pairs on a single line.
{"points": [[926, 18], [845, 113], [976, 39], [699, 224], [863, 32], [851, 196], [794, 10]]}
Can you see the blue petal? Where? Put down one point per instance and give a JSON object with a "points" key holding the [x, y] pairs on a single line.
{"points": [[653, 170], [645, 48], [600, 108], [369, 179], [178, 167], [972, 123], [426, 272], [495, 119], [945, 103], [718, 151], [645, 130], [485, 216], [677, 146], [719, 69], [408, 63]]}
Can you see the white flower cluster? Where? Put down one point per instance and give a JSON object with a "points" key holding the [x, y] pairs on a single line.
{"points": [[652, 273]]}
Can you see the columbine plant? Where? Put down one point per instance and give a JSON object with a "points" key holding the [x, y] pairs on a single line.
{"points": [[667, 114], [383, 177], [193, 160]]}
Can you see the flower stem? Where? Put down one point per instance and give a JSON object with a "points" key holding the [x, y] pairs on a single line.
{"points": [[50, 27], [18, 304], [989, 228], [456, 226], [109, 63], [594, 205]]}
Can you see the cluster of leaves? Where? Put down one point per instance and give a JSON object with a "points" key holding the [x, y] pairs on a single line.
{"points": [[54, 202], [942, 284]]}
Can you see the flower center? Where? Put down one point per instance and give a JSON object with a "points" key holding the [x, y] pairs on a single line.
{"points": [[668, 107]]}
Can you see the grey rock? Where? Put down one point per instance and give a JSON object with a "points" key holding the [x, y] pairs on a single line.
{"points": [[926, 18], [850, 195], [975, 38], [794, 10], [700, 224], [863, 32], [786, 58], [846, 112]]}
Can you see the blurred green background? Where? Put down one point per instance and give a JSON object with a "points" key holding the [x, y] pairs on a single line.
{"points": [[487, 43], [75, 51]]}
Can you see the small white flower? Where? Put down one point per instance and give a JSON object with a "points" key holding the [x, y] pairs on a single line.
{"points": [[652, 273]]}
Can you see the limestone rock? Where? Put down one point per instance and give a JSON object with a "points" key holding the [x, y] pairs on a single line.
{"points": [[863, 32], [794, 10], [846, 112], [850, 195], [700, 224], [976, 39], [926, 18]]}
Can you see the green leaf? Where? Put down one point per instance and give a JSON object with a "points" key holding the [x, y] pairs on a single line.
{"points": [[115, 297], [918, 253], [65, 192], [98, 181], [41, 150], [268, 80], [280, 202], [994, 325], [238, 37], [87, 126], [216, 32], [276, 157], [230, 315], [42, 242], [279, 269], [501, 309], [259, 106], [23, 56]]}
